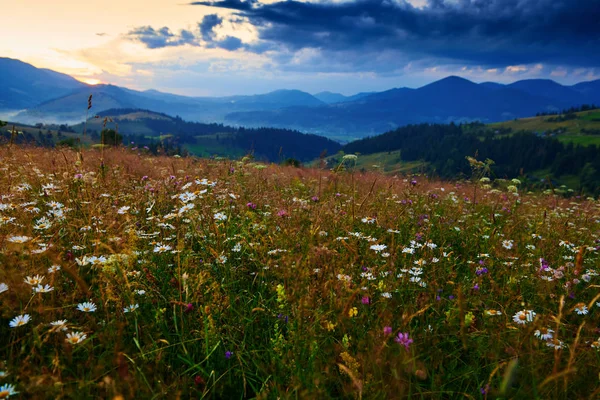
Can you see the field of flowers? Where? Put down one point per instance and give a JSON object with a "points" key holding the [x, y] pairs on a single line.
{"points": [[129, 276]]}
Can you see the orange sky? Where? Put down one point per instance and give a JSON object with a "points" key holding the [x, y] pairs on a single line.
{"points": [[55, 35]]}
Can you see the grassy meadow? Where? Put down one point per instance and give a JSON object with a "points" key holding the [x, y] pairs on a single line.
{"points": [[128, 276], [571, 130]]}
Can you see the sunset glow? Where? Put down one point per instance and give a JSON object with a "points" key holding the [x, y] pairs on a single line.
{"points": [[90, 81]]}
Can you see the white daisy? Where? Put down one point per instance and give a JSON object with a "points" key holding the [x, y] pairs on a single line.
{"points": [[581, 309], [7, 390], [76, 337], [507, 244], [378, 247], [523, 317], [86, 307], [53, 269], [19, 239], [131, 308], [19, 320], [34, 281], [43, 289], [220, 216], [123, 210], [544, 333], [161, 248], [60, 324]]}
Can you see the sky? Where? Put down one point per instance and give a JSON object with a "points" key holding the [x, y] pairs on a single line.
{"points": [[226, 47]]}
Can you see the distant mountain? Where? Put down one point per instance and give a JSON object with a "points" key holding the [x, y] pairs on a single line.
{"points": [[549, 89], [71, 108], [590, 89], [330, 97], [449, 99], [276, 99], [492, 85], [23, 86]]}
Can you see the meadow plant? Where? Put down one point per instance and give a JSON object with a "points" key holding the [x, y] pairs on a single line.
{"points": [[130, 276]]}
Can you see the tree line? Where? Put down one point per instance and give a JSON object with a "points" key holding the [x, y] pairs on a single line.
{"points": [[444, 148]]}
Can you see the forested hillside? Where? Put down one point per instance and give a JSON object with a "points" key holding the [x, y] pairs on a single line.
{"points": [[444, 148]]}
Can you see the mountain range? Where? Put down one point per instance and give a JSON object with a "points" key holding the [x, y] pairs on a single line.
{"points": [[46, 96]]}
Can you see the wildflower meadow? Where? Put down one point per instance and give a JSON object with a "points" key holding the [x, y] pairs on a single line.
{"points": [[130, 276]]}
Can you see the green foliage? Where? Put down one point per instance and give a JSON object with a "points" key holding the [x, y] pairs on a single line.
{"points": [[292, 162], [110, 137], [445, 150]]}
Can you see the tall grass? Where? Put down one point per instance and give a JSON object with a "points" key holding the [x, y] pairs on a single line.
{"points": [[220, 279]]}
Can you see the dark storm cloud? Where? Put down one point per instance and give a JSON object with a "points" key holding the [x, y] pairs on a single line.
{"points": [[163, 37], [208, 24], [486, 32]]}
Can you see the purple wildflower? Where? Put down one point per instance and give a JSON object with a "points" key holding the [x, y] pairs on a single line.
{"points": [[404, 340]]}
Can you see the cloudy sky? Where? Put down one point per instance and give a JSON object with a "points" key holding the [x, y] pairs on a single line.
{"points": [[229, 47]]}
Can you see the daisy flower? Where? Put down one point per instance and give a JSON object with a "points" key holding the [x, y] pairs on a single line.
{"points": [[523, 317], [7, 391], [34, 281], [555, 343], [185, 208], [131, 308], [53, 269], [220, 216], [43, 289], [123, 210], [76, 337], [378, 247], [544, 333], [19, 320], [88, 306], [161, 248], [19, 239], [42, 224], [581, 309], [60, 324]]}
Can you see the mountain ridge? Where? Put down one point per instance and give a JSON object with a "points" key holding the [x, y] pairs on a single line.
{"points": [[451, 99]]}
